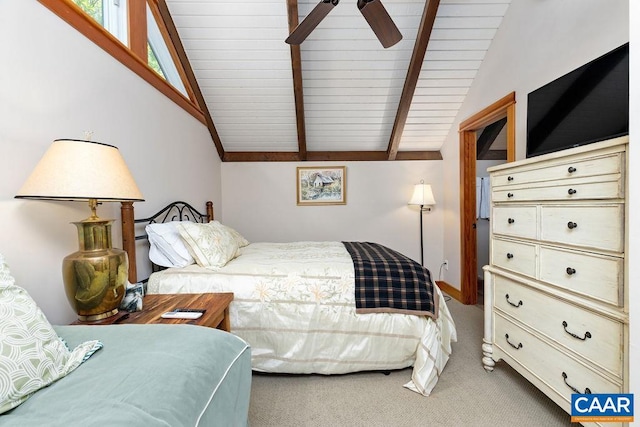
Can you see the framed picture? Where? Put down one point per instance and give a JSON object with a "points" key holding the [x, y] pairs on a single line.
{"points": [[321, 185]]}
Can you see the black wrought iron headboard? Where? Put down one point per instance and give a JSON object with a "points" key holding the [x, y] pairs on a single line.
{"points": [[175, 211]]}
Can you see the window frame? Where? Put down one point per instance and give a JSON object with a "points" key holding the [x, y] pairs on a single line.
{"points": [[164, 51], [85, 24]]}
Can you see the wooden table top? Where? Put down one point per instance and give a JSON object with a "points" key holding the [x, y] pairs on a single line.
{"points": [[153, 306]]}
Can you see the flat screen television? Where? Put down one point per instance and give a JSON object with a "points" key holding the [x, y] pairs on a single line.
{"points": [[589, 104]]}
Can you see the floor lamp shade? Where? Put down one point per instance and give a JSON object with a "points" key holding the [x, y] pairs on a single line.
{"points": [[96, 275], [422, 196]]}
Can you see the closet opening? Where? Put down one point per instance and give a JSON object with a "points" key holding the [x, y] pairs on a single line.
{"points": [[488, 133], [491, 150]]}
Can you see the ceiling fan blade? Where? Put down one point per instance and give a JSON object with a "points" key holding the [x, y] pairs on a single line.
{"points": [[380, 22], [312, 20]]}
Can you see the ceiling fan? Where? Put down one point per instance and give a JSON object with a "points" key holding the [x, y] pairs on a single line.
{"points": [[372, 10]]}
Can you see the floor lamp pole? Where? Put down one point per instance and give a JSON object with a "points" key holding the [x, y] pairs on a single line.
{"points": [[421, 238]]}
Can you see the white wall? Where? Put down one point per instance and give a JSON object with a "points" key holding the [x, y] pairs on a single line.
{"points": [[634, 204], [537, 42], [54, 83], [260, 202]]}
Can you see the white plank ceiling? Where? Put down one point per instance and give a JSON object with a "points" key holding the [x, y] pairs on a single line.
{"points": [[351, 84]]}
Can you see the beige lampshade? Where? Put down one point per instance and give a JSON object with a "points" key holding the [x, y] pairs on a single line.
{"points": [[81, 170], [422, 195]]}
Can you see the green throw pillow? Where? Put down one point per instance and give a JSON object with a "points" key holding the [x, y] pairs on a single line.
{"points": [[32, 356]]}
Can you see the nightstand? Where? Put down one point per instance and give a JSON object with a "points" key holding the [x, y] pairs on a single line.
{"points": [[215, 304]]}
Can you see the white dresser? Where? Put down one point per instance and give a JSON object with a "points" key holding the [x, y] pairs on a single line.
{"points": [[556, 291]]}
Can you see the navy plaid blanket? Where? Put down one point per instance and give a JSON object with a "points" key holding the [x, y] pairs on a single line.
{"points": [[387, 281]]}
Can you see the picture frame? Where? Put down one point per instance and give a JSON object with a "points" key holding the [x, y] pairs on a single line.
{"points": [[321, 185]]}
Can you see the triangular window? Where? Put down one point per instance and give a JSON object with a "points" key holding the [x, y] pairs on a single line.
{"points": [[157, 51], [111, 14], [157, 47]]}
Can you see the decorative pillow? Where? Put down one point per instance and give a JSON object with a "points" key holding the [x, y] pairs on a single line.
{"points": [[242, 242], [132, 300], [167, 247], [211, 245], [32, 356]]}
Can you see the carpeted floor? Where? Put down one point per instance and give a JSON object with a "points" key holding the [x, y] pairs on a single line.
{"points": [[466, 395]]}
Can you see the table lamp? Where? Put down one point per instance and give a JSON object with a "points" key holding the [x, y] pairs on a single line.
{"points": [[422, 196], [94, 277]]}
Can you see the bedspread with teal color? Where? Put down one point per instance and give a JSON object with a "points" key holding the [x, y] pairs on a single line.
{"points": [[146, 375]]}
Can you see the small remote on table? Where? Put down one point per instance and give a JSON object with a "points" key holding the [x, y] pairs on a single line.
{"points": [[189, 310], [182, 315]]}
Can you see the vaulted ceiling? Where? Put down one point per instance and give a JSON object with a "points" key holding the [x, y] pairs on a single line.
{"points": [[339, 95]]}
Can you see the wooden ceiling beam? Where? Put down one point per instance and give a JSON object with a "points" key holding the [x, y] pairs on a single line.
{"points": [[261, 156], [327, 156], [413, 73], [296, 68], [167, 21], [418, 155], [487, 136]]}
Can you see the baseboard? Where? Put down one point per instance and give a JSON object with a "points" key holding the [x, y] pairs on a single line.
{"points": [[447, 288]]}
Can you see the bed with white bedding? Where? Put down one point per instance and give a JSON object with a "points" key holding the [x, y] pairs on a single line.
{"points": [[295, 304]]}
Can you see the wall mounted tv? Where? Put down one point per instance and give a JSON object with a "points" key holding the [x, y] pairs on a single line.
{"points": [[587, 105]]}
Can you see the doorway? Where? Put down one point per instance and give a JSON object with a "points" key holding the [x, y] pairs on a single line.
{"points": [[499, 110]]}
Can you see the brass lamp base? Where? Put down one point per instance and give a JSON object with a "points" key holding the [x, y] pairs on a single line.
{"points": [[95, 276]]}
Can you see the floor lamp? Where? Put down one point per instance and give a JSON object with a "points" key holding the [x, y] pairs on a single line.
{"points": [[423, 197]]}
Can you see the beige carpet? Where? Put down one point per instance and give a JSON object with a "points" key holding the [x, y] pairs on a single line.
{"points": [[466, 395]]}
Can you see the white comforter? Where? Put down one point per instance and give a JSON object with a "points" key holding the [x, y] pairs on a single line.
{"points": [[294, 304]]}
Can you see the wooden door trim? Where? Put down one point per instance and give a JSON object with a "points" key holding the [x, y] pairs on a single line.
{"points": [[504, 107]]}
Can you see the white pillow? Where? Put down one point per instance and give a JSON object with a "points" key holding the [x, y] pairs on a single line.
{"points": [[167, 247], [211, 245], [32, 356], [242, 242]]}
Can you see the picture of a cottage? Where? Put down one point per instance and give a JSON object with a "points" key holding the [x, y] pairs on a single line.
{"points": [[321, 186], [322, 180]]}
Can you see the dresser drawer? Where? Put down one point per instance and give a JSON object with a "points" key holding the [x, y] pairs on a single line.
{"points": [[562, 373], [601, 190], [516, 221], [578, 168], [514, 256], [599, 227], [595, 276], [596, 338]]}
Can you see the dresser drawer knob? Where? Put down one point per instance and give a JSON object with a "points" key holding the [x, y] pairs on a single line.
{"points": [[572, 191], [572, 225], [509, 178], [509, 255], [575, 390], [586, 334], [571, 169], [515, 305], [511, 220], [571, 271], [517, 347], [509, 195]]}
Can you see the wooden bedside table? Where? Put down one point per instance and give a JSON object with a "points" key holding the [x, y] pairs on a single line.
{"points": [[215, 304]]}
